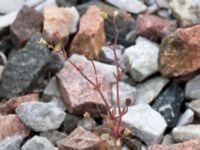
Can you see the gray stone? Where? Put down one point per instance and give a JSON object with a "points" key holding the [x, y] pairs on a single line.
{"points": [[51, 90], [33, 3], [135, 6], [167, 140], [152, 9], [40, 116], [145, 123], [192, 88], [38, 143], [186, 11], [57, 101], [66, 3], [186, 118], [41, 6], [11, 143], [1, 71], [185, 133], [164, 13], [9, 6], [75, 19], [168, 103], [24, 68], [86, 123], [163, 3], [149, 90], [195, 106], [143, 59], [3, 59], [125, 92], [53, 136]]}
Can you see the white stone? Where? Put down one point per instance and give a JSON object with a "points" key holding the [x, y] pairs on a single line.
{"points": [[186, 118], [192, 88], [185, 133], [195, 106], [133, 6], [75, 19], [33, 3], [163, 3], [145, 123], [125, 92], [57, 101], [11, 143], [143, 58], [167, 140], [8, 6], [150, 89], [41, 6]]}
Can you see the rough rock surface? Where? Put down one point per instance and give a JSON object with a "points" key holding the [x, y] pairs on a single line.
{"points": [[11, 143], [11, 104], [179, 52], [40, 116], [24, 68], [80, 139], [78, 94], [90, 37], [11, 125], [27, 23], [150, 128], [153, 27], [142, 59]]}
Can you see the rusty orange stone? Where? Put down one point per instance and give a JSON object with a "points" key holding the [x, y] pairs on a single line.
{"points": [[180, 52], [90, 37], [11, 104]]}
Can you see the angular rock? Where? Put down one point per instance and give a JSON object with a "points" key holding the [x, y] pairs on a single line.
{"points": [[11, 143], [53, 136], [192, 88], [27, 23], [188, 145], [125, 92], [195, 106], [80, 139], [90, 37], [57, 101], [186, 118], [24, 68], [57, 23], [11, 125], [179, 52], [11, 104], [142, 59], [134, 7], [187, 11], [149, 90], [39, 143], [40, 116], [145, 123], [185, 133], [78, 94], [9, 6], [153, 27], [168, 103]]}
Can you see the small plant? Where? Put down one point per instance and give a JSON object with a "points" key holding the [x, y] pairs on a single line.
{"points": [[113, 118]]}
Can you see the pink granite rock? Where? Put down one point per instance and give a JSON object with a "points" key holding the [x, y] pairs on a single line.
{"points": [[78, 94], [80, 139], [11, 125], [153, 27], [11, 104], [90, 37]]}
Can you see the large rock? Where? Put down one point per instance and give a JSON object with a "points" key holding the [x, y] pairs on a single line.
{"points": [[188, 145], [145, 123], [153, 27], [24, 68], [186, 12], [40, 116], [90, 37], [185, 133], [27, 23], [80, 139], [149, 90], [192, 88], [142, 59], [78, 94], [168, 103], [11, 125], [39, 143], [135, 7], [9, 6], [179, 52], [11, 104], [11, 143]]}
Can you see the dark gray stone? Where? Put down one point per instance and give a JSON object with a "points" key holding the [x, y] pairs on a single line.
{"points": [[169, 103], [24, 68], [66, 3]]}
